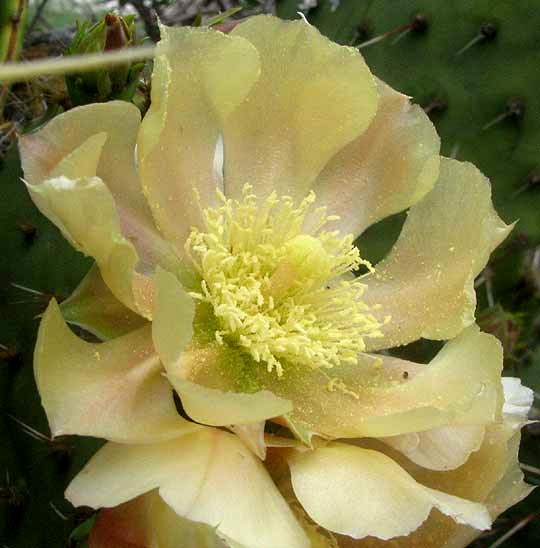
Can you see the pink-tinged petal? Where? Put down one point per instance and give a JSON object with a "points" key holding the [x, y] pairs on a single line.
{"points": [[124, 526], [193, 92], [85, 212], [93, 307], [313, 97], [198, 476], [426, 284], [359, 492], [49, 153], [147, 522], [114, 390], [444, 448], [213, 404], [384, 396], [391, 166]]}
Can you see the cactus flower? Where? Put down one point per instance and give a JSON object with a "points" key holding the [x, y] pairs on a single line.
{"points": [[242, 379]]}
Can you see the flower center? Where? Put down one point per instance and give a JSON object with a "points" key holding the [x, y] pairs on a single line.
{"points": [[275, 277]]}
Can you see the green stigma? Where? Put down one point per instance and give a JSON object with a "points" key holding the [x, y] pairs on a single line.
{"points": [[279, 282]]}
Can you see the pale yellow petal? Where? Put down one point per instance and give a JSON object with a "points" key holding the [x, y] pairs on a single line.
{"points": [[359, 492], [223, 408], [313, 97], [391, 166], [174, 312], [208, 477], [444, 448], [194, 89], [384, 396], [98, 140], [44, 150], [85, 212], [93, 307], [426, 284], [253, 436], [511, 488], [491, 476], [113, 390], [172, 330], [82, 161]]}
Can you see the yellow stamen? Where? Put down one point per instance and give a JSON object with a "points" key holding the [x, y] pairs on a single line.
{"points": [[274, 276]]}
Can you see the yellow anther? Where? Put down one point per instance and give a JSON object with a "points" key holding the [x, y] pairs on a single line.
{"points": [[277, 287]]}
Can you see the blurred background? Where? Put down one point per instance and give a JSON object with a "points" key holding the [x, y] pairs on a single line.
{"points": [[473, 65]]}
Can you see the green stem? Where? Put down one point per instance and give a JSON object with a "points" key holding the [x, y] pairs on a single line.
{"points": [[11, 33], [19, 72]]}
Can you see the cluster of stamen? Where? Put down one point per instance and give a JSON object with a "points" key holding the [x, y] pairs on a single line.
{"points": [[275, 277]]}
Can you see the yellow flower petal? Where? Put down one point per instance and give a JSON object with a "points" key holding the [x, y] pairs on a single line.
{"points": [[84, 210], [193, 91], [113, 390], [449, 447], [105, 134], [93, 307], [511, 488], [481, 475], [359, 492], [426, 283], [42, 151], [376, 398], [82, 161], [391, 166], [198, 476], [172, 330], [253, 436], [220, 408], [491, 476], [174, 312], [444, 448], [313, 97]]}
